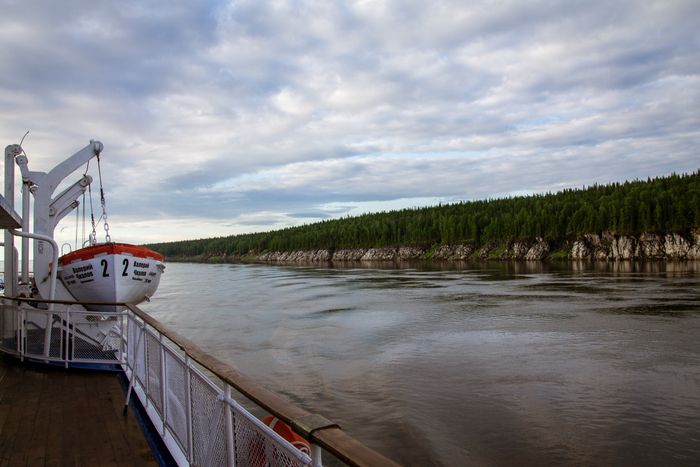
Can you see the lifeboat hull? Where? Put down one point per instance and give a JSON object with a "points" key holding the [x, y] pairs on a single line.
{"points": [[111, 273]]}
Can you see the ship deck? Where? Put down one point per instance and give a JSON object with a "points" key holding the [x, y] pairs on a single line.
{"points": [[57, 417]]}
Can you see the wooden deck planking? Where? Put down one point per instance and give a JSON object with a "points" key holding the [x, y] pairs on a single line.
{"points": [[69, 451], [131, 431], [102, 445], [56, 417], [13, 430], [40, 431], [55, 433]]}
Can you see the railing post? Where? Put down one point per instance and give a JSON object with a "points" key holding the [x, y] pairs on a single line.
{"points": [[230, 439], [47, 334], [131, 346], [316, 455], [133, 368], [163, 381], [23, 328], [72, 344], [18, 316], [123, 357], [188, 409], [67, 349], [146, 367]]}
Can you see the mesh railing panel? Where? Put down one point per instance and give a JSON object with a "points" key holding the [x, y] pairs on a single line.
{"points": [[8, 328], [56, 342], [136, 351], [112, 345], [112, 342], [154, 372], [256, 445], [35, 333], [176, 393], [86, 336], [131, 341], [83, 349], [72, 336], [203, 397], [84, 346]]}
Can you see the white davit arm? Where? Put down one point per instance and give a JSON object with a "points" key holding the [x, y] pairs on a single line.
{"points": [[45, 218]]}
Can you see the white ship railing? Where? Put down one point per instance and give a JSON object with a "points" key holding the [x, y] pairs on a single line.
{"points": [[198, 420]]}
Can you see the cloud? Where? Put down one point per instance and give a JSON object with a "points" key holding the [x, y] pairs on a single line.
{"points": [[239, 115]]}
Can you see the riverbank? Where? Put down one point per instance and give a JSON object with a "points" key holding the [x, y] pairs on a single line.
{"points": [[604, 246]]}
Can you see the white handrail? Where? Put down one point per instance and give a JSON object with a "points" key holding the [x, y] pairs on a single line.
{"points": [[52, 284], [54, 269]]}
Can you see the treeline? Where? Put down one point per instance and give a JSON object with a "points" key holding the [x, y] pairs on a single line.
{"points": [[661, 205]]}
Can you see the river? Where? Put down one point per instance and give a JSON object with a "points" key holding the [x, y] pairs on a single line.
{"points": [[465, 363]]}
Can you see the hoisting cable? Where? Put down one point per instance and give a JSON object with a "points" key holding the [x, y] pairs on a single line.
{"points": [[77, 224], [93, 236], [108, 238], [82, 233]]}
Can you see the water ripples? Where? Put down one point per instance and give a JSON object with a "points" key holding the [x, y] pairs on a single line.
{"points": [[467, 363]]}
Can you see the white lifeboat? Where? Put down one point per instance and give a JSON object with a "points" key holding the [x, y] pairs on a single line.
{"points": [[111, 272]]}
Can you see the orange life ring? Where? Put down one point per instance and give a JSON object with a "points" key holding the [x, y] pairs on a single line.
{"points": [[286, 432]]}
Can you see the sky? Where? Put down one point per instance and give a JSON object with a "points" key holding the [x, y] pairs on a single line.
{"points": [[229, 117]]}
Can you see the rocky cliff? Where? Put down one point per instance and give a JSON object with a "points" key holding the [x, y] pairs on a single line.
{"points": [[606, 246], [645, 246]]}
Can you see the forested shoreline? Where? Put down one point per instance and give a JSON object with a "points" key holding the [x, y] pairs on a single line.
{"points": [[640, 211]]}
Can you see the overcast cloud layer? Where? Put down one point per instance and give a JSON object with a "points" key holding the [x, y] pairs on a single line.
{"points": [[230, 117]]}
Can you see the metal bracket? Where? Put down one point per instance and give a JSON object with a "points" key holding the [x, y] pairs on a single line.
{"points": [[13, 150], [306, 425]]}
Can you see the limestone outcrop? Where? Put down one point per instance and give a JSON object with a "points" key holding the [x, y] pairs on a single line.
{"points": [[538, 251], [454, 252], [301, 255], [605, 246], [349, 255], [648, 245]]}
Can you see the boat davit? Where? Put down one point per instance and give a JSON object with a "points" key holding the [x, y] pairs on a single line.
{"points": [[97, 274]]}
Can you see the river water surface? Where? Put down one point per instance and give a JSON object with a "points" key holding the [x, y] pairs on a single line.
{"points": [[467, 363]]}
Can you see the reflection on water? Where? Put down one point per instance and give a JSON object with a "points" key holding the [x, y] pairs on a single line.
{"points": [[466, 363]]}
